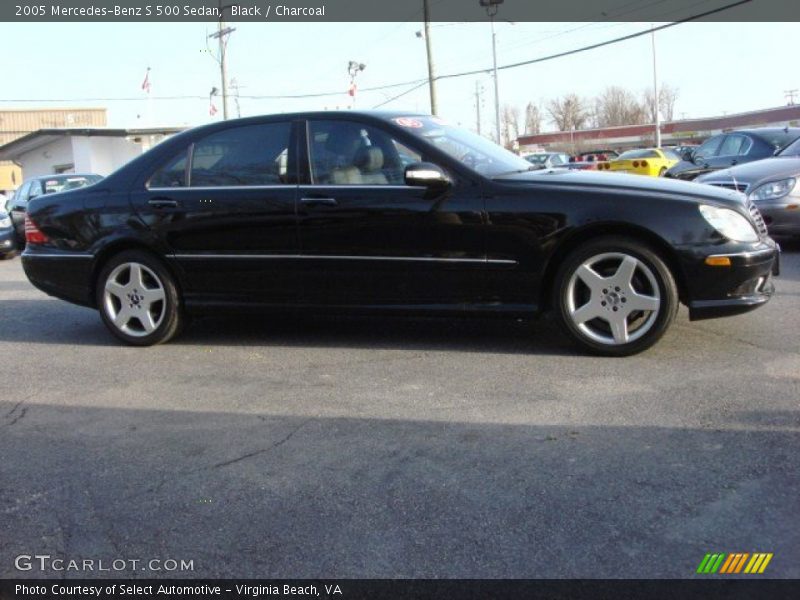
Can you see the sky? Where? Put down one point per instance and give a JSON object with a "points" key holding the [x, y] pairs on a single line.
{"points": [[716, 67]]}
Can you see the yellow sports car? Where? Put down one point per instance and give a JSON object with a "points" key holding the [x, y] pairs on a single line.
{"points": [[650, 161]]}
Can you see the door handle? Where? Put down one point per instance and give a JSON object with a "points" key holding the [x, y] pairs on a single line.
{"points": [[162, 203], [311, 201]]}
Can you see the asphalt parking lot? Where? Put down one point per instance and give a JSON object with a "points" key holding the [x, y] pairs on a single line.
{"points": [[323, 447]]}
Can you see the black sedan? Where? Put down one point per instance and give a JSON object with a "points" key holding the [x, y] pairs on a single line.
{"points": [[8, 241], [17, 205], [772, 184], [317, 212], [731, 149]]}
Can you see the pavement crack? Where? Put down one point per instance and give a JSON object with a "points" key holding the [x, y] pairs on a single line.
{"points": [[277, 444], [18, 417]]}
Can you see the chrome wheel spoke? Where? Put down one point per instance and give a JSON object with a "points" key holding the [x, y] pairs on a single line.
{"points": [[619, 328], [590, 277], [624, 274], [122, 317], [587, 312], [146, 319], [136, 276], [152, 296], [116, 289], [642, 302]]}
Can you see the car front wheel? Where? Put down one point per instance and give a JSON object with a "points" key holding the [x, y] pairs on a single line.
{"points": [[615, 296], [138, 299]]}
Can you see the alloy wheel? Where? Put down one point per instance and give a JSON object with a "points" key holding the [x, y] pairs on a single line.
{"points": [[613, 298], [134, 299]]}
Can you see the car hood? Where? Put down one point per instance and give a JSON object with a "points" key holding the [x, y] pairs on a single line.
{"points": [[755, 173], [609, 181]]}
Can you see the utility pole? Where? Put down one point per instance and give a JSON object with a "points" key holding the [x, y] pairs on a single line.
{"points": [[790, 94], [655, 89], [220, 35], [429, 51], [491, 10], [478, 99]]}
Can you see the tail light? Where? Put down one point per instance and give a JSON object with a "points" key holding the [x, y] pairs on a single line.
{"points": [[635, 164], [32, 233], [644, 163]]}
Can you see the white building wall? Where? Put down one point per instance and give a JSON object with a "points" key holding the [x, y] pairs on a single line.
{"points": [[44, 159], [94, 154]]}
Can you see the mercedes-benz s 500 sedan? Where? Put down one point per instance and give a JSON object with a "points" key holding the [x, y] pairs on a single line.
{"points": [[388, 212]]}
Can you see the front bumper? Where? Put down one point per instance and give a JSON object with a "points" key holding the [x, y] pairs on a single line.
{"points": [[744, 285], [781, 218]]}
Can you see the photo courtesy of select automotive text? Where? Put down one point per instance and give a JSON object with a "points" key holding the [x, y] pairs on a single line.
{"points": [[400, 300]]}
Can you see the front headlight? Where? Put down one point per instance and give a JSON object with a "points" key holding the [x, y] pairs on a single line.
{"points": [[773, 190], [5, 222], [729, 223]]}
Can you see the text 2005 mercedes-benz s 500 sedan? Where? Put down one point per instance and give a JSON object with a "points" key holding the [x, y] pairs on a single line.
{"points": [[388, 212]]}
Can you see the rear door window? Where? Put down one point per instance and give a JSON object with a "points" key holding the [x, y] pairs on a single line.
{"points": [[255, 155]]}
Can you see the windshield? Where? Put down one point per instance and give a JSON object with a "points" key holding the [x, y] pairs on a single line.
{"points": [[792, 149], [68, 182], [472, 150], [537, 159]]}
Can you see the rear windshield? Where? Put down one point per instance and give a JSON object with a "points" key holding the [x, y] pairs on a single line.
{"points": [[792, 149], [638, 154], [779, 139]]}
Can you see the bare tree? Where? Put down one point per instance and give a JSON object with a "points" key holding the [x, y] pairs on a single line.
{"points": [[568, 112], [533, 119], [509, 123], [618, 106], [667, 97]]}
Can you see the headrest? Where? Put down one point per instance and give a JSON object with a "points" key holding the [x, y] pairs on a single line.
{"points": [[343, 139], [369, 159]]}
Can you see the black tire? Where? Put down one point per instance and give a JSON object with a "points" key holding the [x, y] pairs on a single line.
{"points": [[154, 274], [651, 282]]}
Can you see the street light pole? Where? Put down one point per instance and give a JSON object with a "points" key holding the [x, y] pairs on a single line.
{"points": [[429, 51], [220, 35], [491, 7], [655, 89], [496, 84]]}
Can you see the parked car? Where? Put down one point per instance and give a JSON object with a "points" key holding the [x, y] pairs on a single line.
{"points": [[649, 161], [36, 186], [771, 184], [591, 161], [683, 149], [8, 238], [731, 149], [315, 212], [547, 160]]}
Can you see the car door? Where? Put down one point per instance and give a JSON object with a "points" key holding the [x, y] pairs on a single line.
{"points": [[224, 210], [732, 150], [367, 238], [703, 158]]}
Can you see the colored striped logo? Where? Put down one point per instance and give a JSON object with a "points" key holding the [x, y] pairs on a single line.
{"points": [[739, 562]]}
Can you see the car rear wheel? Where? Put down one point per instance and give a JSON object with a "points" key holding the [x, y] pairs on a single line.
{"points": [[138, 299], [662, 172], [615, 296]]}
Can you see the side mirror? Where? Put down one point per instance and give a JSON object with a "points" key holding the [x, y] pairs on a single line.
{"points": [[688, 156], [426, 175]]}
